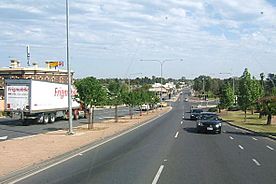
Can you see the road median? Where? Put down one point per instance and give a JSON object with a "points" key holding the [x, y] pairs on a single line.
{"points": [[28, 152]]}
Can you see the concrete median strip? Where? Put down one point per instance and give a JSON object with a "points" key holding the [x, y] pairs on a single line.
{"points": [[43, 147]]}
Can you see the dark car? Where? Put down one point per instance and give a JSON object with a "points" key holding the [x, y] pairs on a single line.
{"points": [[195, 113], [208, 122]]}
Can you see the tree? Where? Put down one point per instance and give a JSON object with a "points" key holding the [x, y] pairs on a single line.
{"points": [[130, 98], [256, 91], [268, 107], [245, 92], [226, 96], [115, 89], [91, 93]]}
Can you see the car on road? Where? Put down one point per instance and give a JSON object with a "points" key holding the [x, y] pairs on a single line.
{"points": [[195, 113], [208, 122]]}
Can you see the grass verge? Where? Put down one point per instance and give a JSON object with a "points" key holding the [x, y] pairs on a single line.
{"points": [[252, 123]]}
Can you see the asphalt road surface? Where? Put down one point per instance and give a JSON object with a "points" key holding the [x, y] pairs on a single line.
{"points": [[13, 128], [168, 150]]}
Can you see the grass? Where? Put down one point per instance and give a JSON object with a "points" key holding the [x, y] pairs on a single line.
{"points": [[252, 123]]}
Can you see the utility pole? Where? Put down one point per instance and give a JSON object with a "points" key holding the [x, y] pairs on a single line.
{"points": [[28, 55], [70, 131]]}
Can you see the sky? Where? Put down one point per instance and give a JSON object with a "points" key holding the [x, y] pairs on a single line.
{"points": [[110, 38]]}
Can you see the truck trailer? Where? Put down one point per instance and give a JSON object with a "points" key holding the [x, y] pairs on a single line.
{"points": [[41, 101]]}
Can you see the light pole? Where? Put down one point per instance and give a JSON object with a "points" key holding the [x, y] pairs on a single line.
{"points": [[70, 131], [161, 62]]}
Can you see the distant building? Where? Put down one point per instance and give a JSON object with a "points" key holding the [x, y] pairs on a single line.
{"points": [[50, 73], [158, 88]]}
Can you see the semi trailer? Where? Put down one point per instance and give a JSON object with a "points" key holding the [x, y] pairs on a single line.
{"points": [[41, 101]]}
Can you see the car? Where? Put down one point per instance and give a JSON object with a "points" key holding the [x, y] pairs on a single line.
{"points": [[208, 122], [145, 107], [195, 113]]}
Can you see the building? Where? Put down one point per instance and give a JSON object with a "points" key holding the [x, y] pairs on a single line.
{"points": [[50, 73]]}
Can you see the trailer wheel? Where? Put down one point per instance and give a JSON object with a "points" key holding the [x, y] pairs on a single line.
{"points": [[46, 118], [52, 118]]}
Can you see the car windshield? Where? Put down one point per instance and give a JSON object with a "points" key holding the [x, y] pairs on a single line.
{"points": [[209, 117]]}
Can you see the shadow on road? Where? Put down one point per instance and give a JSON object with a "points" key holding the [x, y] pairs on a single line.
{"points": [[53, 129], [11, 123], [191, 130], [18, 131], [194, 131]]}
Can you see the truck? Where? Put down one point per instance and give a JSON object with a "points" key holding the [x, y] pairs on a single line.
{"points": [[40, 101]]}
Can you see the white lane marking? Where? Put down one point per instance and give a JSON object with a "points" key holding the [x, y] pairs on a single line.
{"points": [[256, 162], [270, 148], [156, 178], [241, 147], [236, 128], [254, 138], [231, 137], [176, 134], [84, 151], [181, 122], [3, 138]]}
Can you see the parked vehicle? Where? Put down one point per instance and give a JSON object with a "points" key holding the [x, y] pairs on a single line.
{"points": [[195, 113], [41, 101], [145, 107], [208, 122]]}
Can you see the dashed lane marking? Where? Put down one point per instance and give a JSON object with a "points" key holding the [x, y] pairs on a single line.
{"points": [[82, 152], [254, 138], [231, 137], [157, 176], [241, 147], [181, 122], [176, 135], [270, 148], [256, 162]]}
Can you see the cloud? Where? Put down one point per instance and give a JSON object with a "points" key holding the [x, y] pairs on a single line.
{"points": [[121, 31]]}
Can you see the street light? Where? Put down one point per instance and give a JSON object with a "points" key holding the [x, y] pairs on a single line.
{"points": [[70, 131], [162, 62]]}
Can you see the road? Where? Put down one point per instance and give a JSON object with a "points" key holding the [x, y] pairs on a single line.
{"points": [[168, 150], [11, 129], [14, 129]]}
